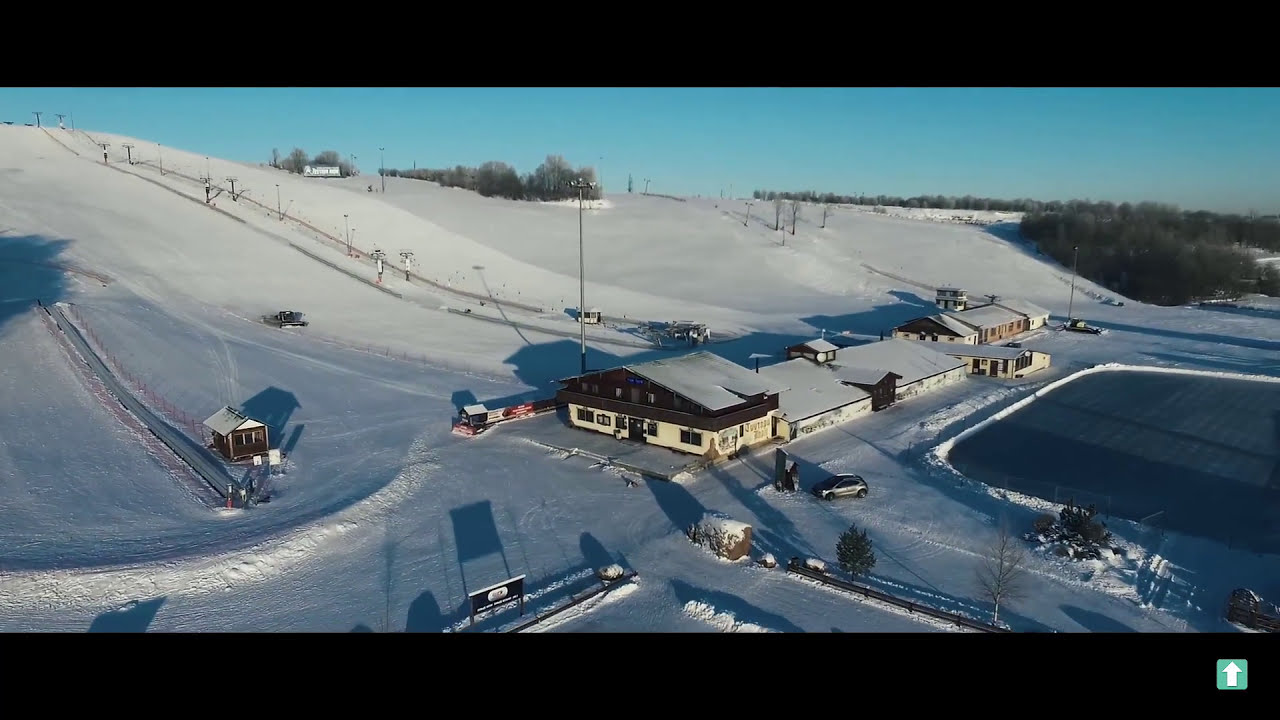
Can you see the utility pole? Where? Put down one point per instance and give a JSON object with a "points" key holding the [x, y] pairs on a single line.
{"points": [[346, 228], [581, 185], [208, 189], [279, 208], [37, 114], [748, 219], [60, 117], [1075, 257], [73, 122], [408, 263], [382, 168], [233, 187], [128, 148], [104, 147]]}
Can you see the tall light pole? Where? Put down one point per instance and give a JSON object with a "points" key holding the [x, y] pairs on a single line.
{"points": [[1075, 256], [382, 169], [581, 185], [279, 207]]}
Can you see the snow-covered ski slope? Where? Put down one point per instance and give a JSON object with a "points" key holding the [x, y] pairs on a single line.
{"points": [[381, 518]]}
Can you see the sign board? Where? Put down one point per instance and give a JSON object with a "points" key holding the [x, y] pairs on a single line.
{"points": [[321, 171], [257, 459], [496, 596], [273, 457]]}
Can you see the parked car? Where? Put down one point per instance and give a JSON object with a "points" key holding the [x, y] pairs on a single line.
{"points": [[842, 485]]}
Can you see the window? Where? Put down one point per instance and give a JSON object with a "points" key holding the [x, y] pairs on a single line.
{"points": [[595, 389], [676, 402], [691, 437], [651, 429], [617, 393], [584, 385], [603, 420], [651, 398], [620, 421], [586, 415]]}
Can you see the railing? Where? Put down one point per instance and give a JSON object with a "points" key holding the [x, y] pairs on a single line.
{"points": [[796, 565]]}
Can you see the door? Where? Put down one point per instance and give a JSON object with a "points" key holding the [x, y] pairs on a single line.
{"points": [[635, 429]]}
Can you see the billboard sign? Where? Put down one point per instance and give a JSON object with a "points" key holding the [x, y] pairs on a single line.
{"points": [[321, 171], [496, 596]]}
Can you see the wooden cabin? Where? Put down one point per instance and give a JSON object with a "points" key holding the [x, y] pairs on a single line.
{"points": [[236, 436]]}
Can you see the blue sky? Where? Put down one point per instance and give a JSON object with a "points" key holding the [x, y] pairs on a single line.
{"points": [[1205, 148]]}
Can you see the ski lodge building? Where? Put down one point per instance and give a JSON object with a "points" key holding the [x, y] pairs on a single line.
{"points": [[960, 322], [237, 436], [698, 403]]}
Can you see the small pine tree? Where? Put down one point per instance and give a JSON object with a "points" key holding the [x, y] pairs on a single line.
{"points": [[854, 551], [630, 184]]}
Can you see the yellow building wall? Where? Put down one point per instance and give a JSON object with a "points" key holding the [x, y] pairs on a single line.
{"points": [[727, 441], [966, 340], [1039, 361]]}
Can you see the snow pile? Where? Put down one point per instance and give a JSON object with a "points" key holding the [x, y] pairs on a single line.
{"points": [[815, 565], [610, 573], [725, 537], [769, 561], [722, 621]]}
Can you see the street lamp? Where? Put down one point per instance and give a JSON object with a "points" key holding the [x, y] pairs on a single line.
{"points": [[581, 185], [382, 169]]}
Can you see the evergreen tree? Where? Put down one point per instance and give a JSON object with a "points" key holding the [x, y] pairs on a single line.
{"points": [[854, 551]]}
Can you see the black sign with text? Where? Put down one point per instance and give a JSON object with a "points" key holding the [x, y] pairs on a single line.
{"points": [[495, 595]]}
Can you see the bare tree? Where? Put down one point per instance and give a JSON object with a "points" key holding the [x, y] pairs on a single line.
{"points": [[296, 160], [826, 210], [795, 215], [777, 212], [1001, 571]]}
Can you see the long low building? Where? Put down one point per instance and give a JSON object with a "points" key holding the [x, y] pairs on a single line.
{"points": [[919, 366], [996, 360], [815, 398], [698, 403], [962, 323]]}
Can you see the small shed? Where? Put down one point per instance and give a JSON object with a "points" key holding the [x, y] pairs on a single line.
{"points": [[237, 436]]}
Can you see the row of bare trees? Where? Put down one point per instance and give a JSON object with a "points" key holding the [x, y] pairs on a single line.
{"points": [[297, 159], [549, 181]]}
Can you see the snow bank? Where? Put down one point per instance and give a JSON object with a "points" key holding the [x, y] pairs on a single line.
{"points": [[722, 621]]}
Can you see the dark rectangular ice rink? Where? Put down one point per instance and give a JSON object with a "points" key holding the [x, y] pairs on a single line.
{"points": [[1204, 450]]}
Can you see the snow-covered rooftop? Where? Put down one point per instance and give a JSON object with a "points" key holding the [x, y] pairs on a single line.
{"points": [[986, 316], [1023, 307], [996, 352], [860, 375], [955, 325], [820, 345], [706, 379], [812, 389], [228, 420], [910, 359]]}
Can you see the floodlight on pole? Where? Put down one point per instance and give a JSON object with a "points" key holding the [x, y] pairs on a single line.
{"points": [[581, 186], [382, 168]]}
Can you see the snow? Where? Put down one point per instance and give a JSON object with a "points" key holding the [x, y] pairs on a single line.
{"points": [[811, 389], [382, 519]]}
